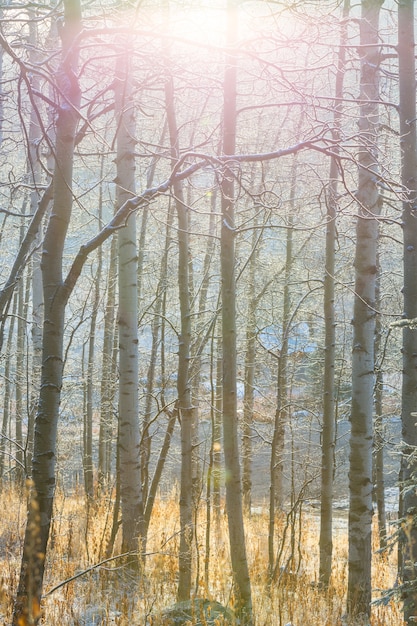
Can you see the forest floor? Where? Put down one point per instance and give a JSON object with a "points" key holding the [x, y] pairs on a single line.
{"points": [[112, 594]]}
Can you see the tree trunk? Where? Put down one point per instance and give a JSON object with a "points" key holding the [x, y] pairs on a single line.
{"points": [[234, 505], [249, 379], [5, 425], [276, 488], [20, 381], [89, 384], [108, 374], [35, 177], [183, 383], [129, 431], [27, 605], [408, 502], [157, 327], [201, 338], [329, 426], [379, 443], [360, 457]]}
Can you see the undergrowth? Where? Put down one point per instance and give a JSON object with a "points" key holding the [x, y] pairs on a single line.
{"points": [[78, 592]]}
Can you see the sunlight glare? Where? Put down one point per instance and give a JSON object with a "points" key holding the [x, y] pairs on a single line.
{"points": [[203, 23]]}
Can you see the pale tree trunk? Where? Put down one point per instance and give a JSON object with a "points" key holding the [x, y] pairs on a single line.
{"points": [[329, 426], [129, 431], [27, 605], [363, 378], [234, 505], [408, 502]]}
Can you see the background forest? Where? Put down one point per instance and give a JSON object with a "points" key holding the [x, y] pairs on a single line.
{"points": [[208, 305]]}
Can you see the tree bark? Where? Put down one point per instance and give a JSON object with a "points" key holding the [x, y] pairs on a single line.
{"points": [[249, 379], [108, 374], [35, 177], [27, 605], [129, 431], [408, 145], [363, 366], [234, 505], [184, 404], [157, 331], [379, 443], [7, 392], [329, 426], [89, 384]]}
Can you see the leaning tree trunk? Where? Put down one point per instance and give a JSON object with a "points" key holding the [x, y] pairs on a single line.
{"points": [[361, 439], [408, 509], [29, 593], [234, 505]]}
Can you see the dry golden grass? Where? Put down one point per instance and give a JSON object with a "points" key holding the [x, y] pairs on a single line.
{"points": [[119, 596]]}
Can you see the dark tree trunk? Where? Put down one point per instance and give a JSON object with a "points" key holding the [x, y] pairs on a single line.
{"points": [[408, 502], [183, 381], [329, 425], [234, 504], [108, 374], [27, 605]]}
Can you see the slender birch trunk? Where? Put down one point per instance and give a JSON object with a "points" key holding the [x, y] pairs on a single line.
{"points": [[129, 430], [364, 313]]}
